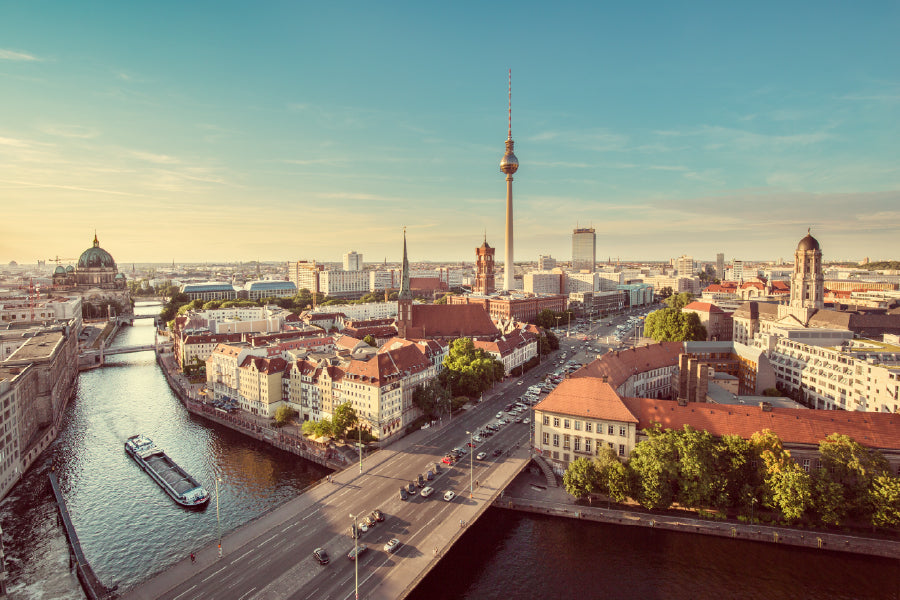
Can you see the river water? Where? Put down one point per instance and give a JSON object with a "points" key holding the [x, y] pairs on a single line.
{"points": [[130, 528]]}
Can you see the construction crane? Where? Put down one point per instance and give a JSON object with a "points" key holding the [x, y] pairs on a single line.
{"points": [[58, 260]]}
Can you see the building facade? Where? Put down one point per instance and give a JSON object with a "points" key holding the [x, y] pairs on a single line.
{"points": [[584, 249], [484, 269]]}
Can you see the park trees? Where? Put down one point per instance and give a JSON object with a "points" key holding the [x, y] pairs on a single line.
{"points": [[344, 418], [283, 415], [432, 397], [470, 370], [654, 463], [680, 300], [580, 478], [849, 470], [673, 325]]}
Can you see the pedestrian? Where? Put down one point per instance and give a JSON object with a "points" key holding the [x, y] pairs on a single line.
{"points": [[193, 558]]}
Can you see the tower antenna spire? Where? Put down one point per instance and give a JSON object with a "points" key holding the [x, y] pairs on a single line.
{"points": [[509, 106]]}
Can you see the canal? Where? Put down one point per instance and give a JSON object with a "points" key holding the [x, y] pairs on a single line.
{"points": [[130, 529]]}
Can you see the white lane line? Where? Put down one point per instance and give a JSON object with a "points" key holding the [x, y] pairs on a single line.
{"points": [[241, 556], [261, 544], [247, 594], [288, 527], [208, 577], [310, 514], [184, 592]]}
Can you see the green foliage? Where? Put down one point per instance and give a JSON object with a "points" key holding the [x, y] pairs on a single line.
{"points": [[679, 301], [212, 304], [283, 415], [791, 491], [772, 393], [580, 478], [605, 462], [672, 325], [828, 499], [318, 428], [654, 463], [620, 480], [884, 496], [344, 418], [853, 467], [665, 292], [432, 398], [370, 341], [443, 299], [698, 473], [470, 370], [892, 265], [552, 340]]}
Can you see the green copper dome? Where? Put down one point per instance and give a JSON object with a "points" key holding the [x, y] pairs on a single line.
{"points": [[96, 258]]}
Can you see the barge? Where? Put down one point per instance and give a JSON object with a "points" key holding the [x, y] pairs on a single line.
{"points": [[184, 489]]}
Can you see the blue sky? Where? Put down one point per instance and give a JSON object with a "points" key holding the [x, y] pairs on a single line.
{"points": [[209, 131]]}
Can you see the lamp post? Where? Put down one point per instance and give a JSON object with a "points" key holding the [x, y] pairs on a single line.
{"points": [[752, 504], [355, 557], [218, 522], [471, 463], [359, 445]]}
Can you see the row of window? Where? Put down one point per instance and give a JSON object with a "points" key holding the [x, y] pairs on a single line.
{"points": [[566, 458], [578, 444], [588, 425]]}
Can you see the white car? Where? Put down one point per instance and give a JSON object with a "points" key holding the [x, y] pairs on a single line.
{"points": [[499, 415], [526, 420], [426, 491], [481, 456], [448, 496]]}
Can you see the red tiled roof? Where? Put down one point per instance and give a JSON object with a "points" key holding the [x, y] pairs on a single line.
{"points": [[587, 397], [703, 307], [450, 321], [792, 425], [265, 365], [619, 366]]}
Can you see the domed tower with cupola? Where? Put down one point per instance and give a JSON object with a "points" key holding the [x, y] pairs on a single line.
{"points": [[808, 279], [96, 280], [96, 268]]}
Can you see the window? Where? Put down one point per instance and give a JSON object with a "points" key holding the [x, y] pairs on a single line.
{"points": [[546, 439], [622, 430], [621, 449], [566, 441], [565, 458], [611, 430], [588, 427], [546, 420], [577, 425], [556, 439], [556, 421], [806, 465], [555, 455], [610, 444], [565, 423], [587, 445]]}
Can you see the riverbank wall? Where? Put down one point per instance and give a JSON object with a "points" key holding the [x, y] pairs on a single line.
{"points": [[516, 497], [245, 424]]}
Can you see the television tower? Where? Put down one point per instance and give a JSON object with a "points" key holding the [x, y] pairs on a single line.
{"points": [[509, 165]]}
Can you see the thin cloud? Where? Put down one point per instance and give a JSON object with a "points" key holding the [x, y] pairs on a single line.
{"points": [[13, 55], [74, 188], [154, 158], [352, 196], [70, 131]]}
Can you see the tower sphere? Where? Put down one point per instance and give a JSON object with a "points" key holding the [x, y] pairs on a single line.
{"points": [[509, 164]]}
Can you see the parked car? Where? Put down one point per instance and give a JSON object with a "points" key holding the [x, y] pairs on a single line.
{"points": [[354, 532], [377, 515], [447, 460], [420, 480], [320, 555], [404, 495], [392, 545], [363, 528], [357, 551], [369, 521], [429, 475], [499, 415], [497, 451], [448, 496], [480, 456], [411, 488], [427, 491]]}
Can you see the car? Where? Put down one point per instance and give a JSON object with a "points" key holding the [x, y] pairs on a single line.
{"points": [[427, 491], [354, 532], [448, 460], [476, 439], [369, 521], [377, 515], [518, 419], [426, 425], [363, 528], [320, 555], [392, 545], [420, 481], [471, 444], [481, 456], [463, 451], [497, 451], [449, 496], [519, 382], [499, 415], [429, 475], [357, 551], [404, 495], [411, 488], [526, 420]]}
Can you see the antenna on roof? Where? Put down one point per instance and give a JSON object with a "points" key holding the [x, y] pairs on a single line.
{"points": [[509, 131]]}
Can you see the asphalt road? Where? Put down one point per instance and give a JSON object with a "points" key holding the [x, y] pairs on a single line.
{"points": [[277, 562]]}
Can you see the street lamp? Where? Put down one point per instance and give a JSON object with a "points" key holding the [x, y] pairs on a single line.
{"points": [[471, 463], [355, 556], [359, 429], [218, 522]]}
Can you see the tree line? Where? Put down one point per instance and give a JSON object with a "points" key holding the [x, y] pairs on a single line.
{"points": [[747, 478]]}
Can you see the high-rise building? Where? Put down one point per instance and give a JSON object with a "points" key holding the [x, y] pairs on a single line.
{"points": [[484, 269], [509, 164], [737, 269], [305, 274], [684, 264], [720, 265], [584, 249], [546, 263], [353, 261]]}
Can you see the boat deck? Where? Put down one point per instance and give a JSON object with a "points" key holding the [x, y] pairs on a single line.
{"points": [[174, 475]]}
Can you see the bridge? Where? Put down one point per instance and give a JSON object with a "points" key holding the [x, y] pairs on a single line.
{"points": [[128, 349], [271, 558]]}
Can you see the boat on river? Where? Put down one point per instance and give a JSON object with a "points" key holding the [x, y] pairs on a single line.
{"points": [[184, 489]]}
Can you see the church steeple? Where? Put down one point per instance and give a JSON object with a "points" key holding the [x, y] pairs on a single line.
{"points": [[404, 299], [405, 293]]}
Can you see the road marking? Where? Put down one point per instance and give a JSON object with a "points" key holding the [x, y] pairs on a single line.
{"points": [[241, 556], [247, 594], [310, 514], [289, 526], [184, 592], [214, 574], [261, 544]]}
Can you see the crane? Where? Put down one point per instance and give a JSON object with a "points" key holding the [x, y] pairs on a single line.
{"points": [[58, 260]]}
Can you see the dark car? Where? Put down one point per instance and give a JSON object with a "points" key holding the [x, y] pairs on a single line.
{"points": [[411, 488], [497, 451], [377, 515], [429, 476], [354, 532], [420, 480], [320, 555], [357, 551], [404, 495]]}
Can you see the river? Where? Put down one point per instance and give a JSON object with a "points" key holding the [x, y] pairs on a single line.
{"points": [[130, 529]]}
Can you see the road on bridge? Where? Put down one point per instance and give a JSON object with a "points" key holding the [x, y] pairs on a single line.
{"points": [[272, 557]]}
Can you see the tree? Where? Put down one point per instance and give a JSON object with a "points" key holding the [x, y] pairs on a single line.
{"points": [[552, 340], [431, 398], [672, 325], [791, 491], [470, 370], [283, 415], [443, 299], [370, 341], [737, 472], [853, 467], [679, 301], [619, 479], [605, 462], [884, 496], [344, 418], [318, 428], [665, 292], [699, 483], [580, 478], [654, 463]]}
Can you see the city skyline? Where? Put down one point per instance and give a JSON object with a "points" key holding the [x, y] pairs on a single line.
{"points": [[290, 133]]}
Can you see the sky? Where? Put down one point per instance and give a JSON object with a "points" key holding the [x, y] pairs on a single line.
{"points": [[224, 131]]}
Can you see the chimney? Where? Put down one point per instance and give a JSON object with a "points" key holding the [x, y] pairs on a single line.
{"points": [[682, 401], [765, 406]]}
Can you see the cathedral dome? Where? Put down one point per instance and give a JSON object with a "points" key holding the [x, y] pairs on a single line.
{"points": [[96, 258], [808, 243], [60, 270], [70, 269]]}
